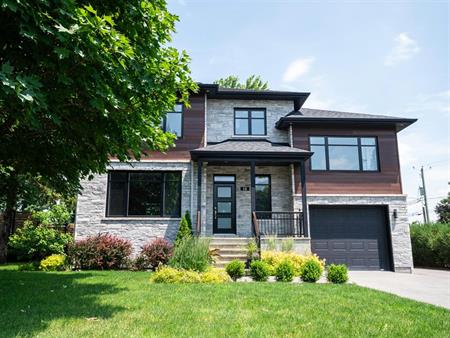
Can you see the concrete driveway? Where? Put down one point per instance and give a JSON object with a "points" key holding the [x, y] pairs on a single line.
{"points": [[429, 286]]}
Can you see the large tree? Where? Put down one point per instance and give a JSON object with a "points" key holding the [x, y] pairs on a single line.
{"points": [[253, 82], [443, 210], [82, 81]]}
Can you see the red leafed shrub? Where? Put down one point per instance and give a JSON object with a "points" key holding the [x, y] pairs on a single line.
{"points": [[100, 252], [154, 254]]}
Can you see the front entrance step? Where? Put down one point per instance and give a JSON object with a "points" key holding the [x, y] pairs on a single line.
{"points": [[230, 248]]}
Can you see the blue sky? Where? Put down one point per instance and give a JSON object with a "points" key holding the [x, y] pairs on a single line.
{"points": [[382, 57]]}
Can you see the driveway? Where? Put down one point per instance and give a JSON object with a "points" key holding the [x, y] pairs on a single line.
{"points": [[424, 285]]}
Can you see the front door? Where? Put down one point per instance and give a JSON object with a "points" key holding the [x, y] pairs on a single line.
{"points": [[224, 212]]}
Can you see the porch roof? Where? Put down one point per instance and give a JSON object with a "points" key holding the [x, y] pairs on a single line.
{"points": [[260, 150]]}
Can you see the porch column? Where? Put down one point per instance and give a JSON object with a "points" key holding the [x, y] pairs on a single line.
{"points": [[304, 198], [199, 196], [252, 184]]}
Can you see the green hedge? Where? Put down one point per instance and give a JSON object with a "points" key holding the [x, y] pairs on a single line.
{"points": [[431, 245]]}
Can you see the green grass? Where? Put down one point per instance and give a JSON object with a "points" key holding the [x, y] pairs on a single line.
{"points": [[125, 304]]}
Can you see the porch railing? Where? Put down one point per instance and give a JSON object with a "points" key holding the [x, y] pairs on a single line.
{"points": [[280, 223]]}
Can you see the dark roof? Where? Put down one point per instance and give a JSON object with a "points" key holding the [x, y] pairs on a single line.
{"points": [[250, 149], [311, 116], [215, 92]]}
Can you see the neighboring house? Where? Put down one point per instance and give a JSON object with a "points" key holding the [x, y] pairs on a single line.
{"points": [[247, 163]]}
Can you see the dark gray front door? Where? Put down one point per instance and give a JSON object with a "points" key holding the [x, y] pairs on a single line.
{"points": [[224, 212], [355, 236]]}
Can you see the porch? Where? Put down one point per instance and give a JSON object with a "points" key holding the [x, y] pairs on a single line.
{"points": [[248, 190]]}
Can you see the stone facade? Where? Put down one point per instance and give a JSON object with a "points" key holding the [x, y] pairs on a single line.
{"points": [[91, 208], [399, 227], [220, 118]]}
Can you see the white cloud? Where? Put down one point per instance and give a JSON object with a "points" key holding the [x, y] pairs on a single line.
{"points": [[297, 68], [405, 47]]}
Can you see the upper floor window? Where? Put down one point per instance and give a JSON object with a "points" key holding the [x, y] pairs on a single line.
{"points": [[150, 193], [344, 153], [248, 121], [173, 121]]}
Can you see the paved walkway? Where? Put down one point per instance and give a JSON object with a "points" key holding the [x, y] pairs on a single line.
{"points": [[424, 285]]}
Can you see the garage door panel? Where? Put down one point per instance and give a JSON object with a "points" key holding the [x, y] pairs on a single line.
{"points": [[355, 236]]}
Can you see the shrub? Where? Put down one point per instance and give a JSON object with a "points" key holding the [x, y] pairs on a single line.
{"points": [[57, 216], [287, 245], [252, 249], [311, 270], [32, 266], [101, 252], [271, 243], [273, 258], [260, 271], [170, 275], [185, 229], [337, 274], [31, 242], [235, 269], [53, 263], [154, 254], [431, 244], [285, 271], [191, 253]]}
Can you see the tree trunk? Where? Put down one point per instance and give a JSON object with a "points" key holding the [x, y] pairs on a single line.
{"points": [[8, 216]]}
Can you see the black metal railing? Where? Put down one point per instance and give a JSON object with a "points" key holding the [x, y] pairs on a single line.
{"points": [[281, 223]]}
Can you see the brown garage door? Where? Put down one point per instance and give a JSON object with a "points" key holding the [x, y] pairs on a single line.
{"points": [[355, 236]]}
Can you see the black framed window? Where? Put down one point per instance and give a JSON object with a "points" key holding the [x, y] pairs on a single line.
{"points": [[173, 121], [344, 153], [144, 194], [263, 193], [249, 121]]}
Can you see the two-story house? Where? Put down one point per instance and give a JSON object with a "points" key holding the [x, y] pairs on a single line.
{"points": [[256, 164]]}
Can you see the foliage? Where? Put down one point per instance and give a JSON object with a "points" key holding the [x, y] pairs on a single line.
{"points": [[271, 243], [253, 82], [100, 252], [337, 274], [287, 244], [311, 270], [273, 258], [31, 242], [235, 269], [285, 271], [260, 271], [252, 249], [56, 216], [31, 266], [81, 82], [53, 263], [431, 244], [154, 254], [185, 229], [170, 275], [443, 210], [191, 253]]}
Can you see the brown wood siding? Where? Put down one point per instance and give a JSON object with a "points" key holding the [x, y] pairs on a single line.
{"points": [[193, 132], [386, 181]]}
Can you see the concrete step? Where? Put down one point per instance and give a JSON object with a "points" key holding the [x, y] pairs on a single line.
{"points": [[226, 240], [231, 250]]}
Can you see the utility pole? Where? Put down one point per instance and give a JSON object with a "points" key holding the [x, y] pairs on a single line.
{"points": [[426, 213]]}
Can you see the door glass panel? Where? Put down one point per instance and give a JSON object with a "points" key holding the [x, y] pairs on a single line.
{"points": [[224, 223], [224, 207], [223, 178], [224, 192]]}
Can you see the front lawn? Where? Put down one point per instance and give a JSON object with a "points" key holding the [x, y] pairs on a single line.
{"points": [[125, 304]]}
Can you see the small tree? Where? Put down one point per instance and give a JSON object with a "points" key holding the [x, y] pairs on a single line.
{"points": [[253, 82], [443, 210], [185, 229]]}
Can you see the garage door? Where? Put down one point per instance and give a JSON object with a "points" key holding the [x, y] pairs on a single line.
{"points": [[355, 236]]}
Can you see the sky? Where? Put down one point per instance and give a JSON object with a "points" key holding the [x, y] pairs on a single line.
{"points": [[379, 57]]}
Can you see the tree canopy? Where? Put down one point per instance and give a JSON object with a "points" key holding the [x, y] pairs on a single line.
{"points": [[443, 210], [80, 82], [253, 82]]}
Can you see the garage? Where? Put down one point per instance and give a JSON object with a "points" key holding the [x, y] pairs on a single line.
{"points": [[356, 236]]}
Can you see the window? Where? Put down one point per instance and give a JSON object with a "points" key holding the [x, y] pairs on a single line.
{"points": [[144, 194], [249, 121], [263, 193], [344, 153], [173, 121]]}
